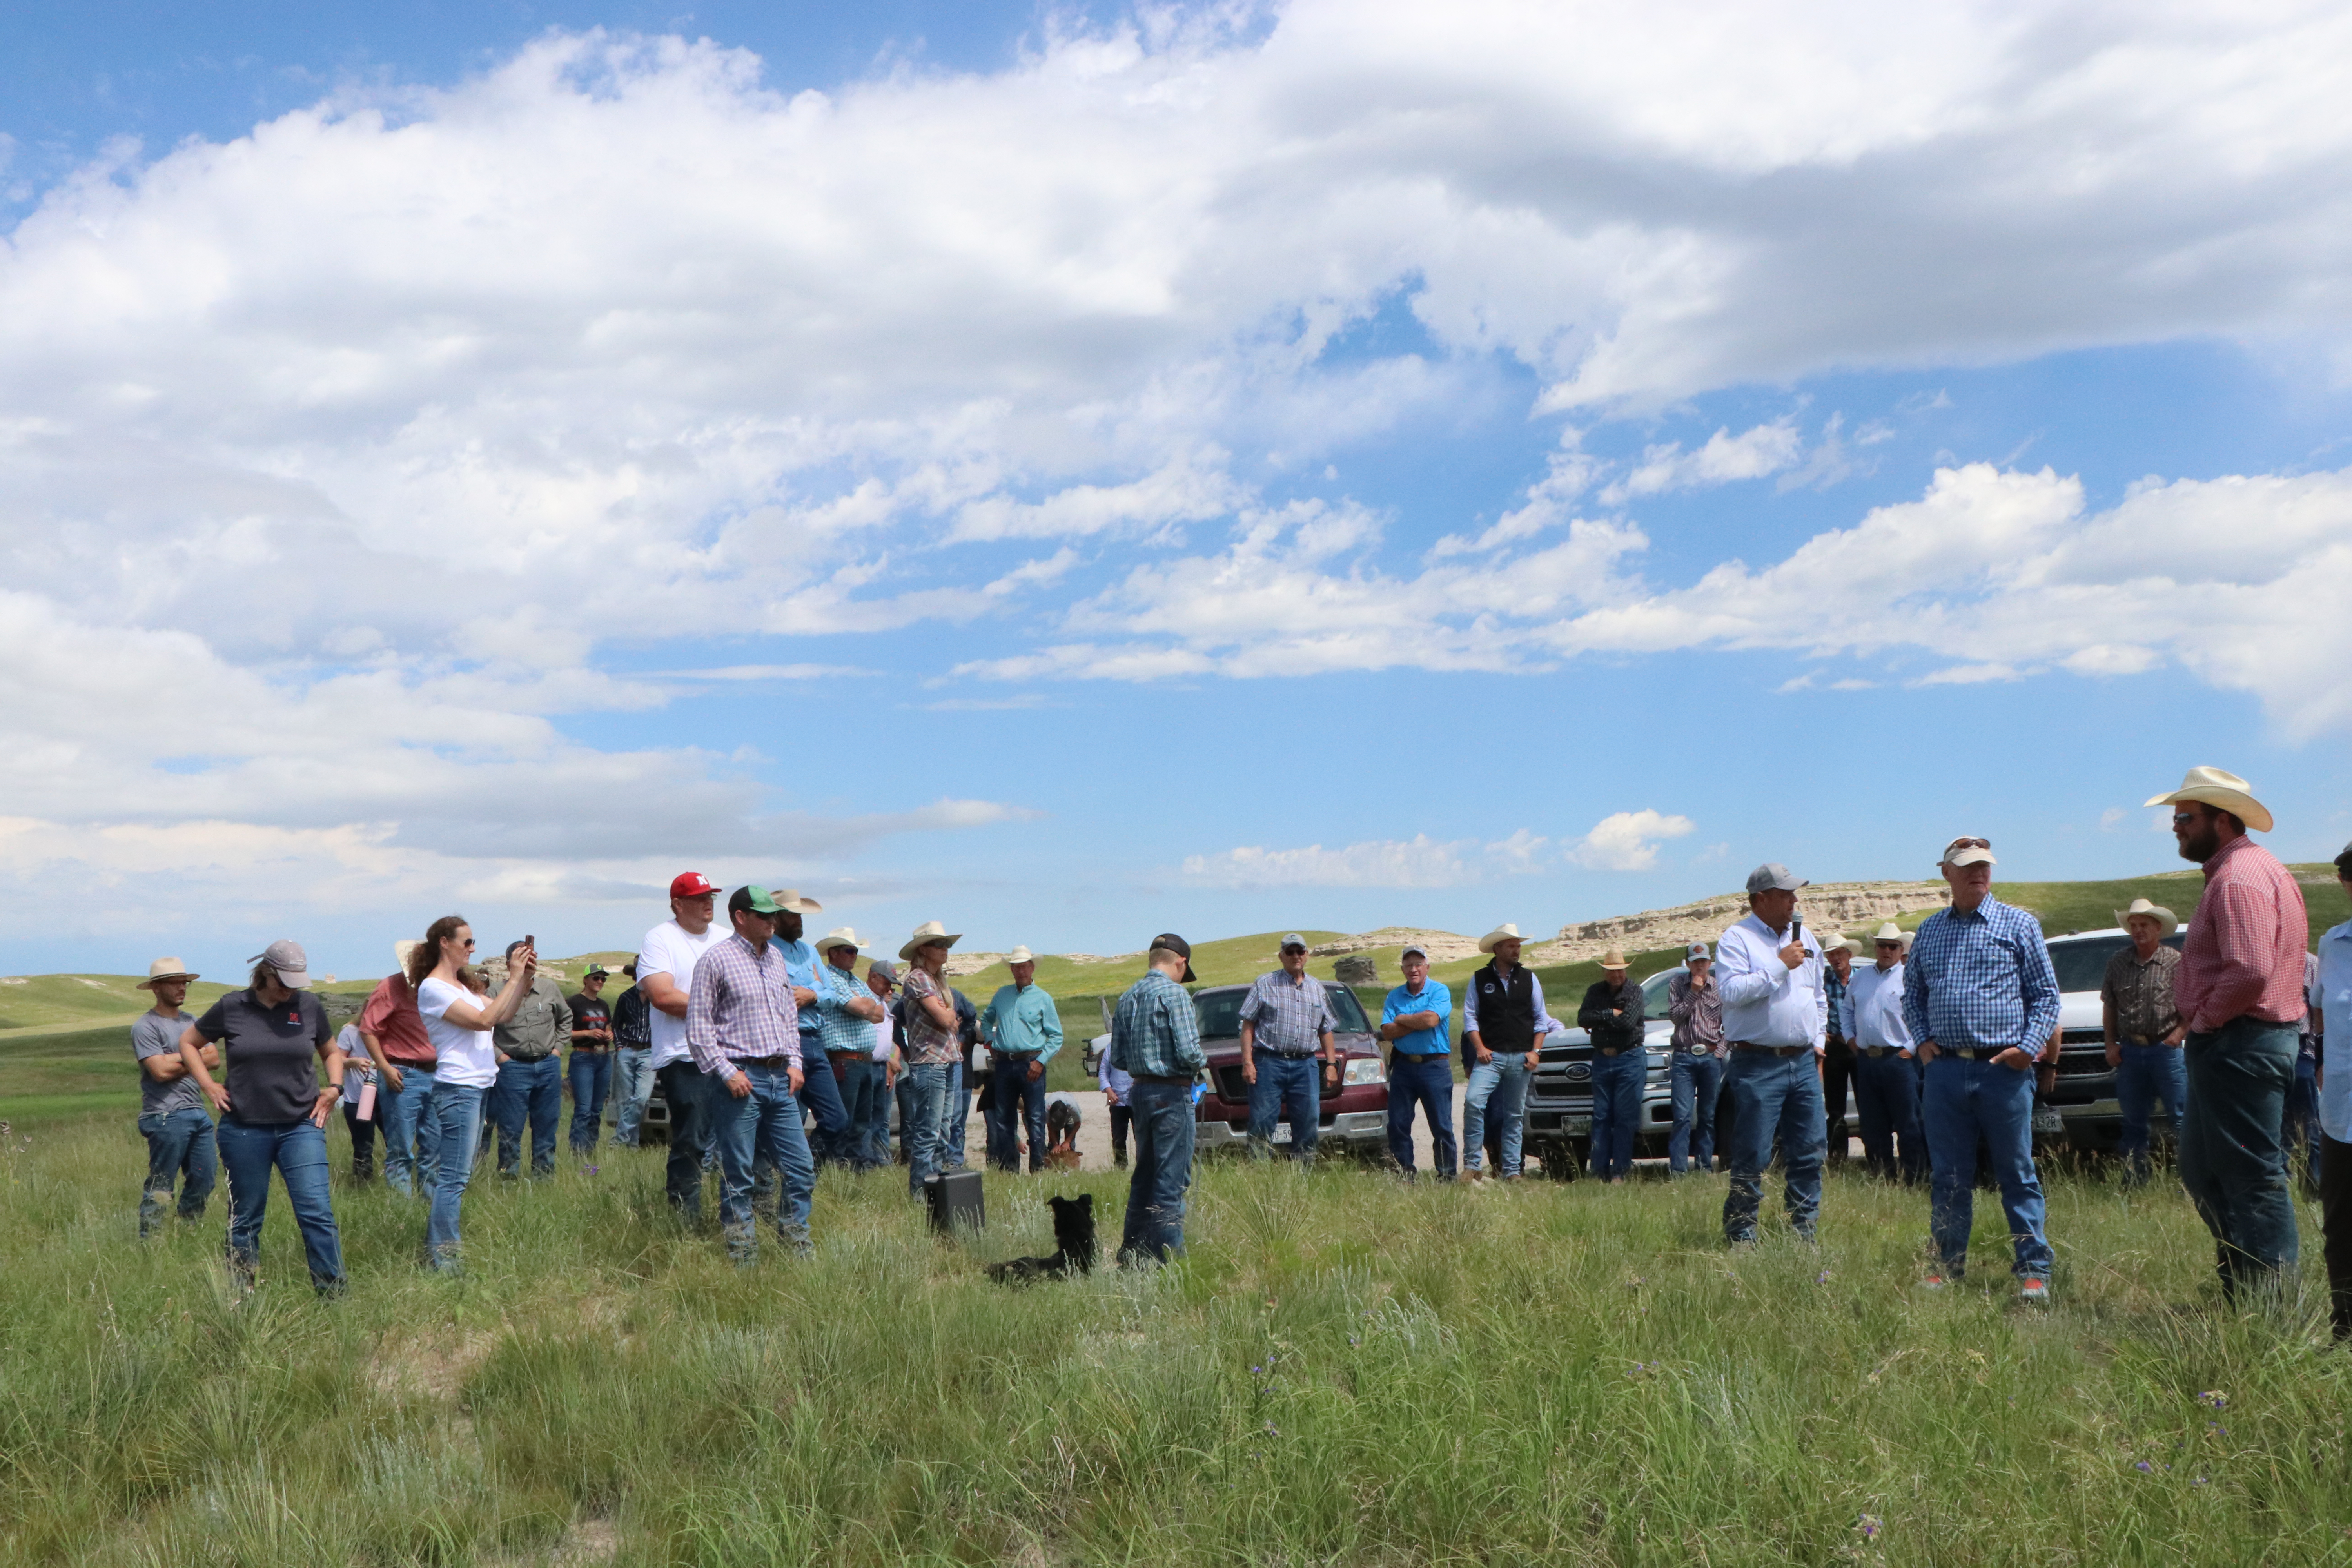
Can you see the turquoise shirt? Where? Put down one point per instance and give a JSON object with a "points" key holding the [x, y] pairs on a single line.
{"points": [[1433, 997], [803, 964], [1018, 1021]]}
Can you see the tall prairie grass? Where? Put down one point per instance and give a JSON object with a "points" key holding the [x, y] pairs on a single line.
{"points": [[1346, 1370]]}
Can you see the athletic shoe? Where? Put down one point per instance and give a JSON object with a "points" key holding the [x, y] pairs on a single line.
{"points": [[1933, 1283], [2034, 1291]]}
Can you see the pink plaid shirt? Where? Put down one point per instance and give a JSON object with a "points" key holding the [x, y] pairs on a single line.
{"points": [[2244, 957]]}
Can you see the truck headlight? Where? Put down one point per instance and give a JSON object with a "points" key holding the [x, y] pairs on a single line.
{"points": [[1365, 1069]]}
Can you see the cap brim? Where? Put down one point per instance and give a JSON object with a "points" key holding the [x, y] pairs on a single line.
{"points": [[297, 980], [152, 981], [1189, 976]]}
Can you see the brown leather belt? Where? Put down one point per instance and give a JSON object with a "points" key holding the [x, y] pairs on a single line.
{"points": [[1874, 1052], [1770, 1050]]}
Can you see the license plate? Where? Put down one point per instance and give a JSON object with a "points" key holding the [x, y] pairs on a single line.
{"points": [[1282, 1132], [2046, 1119], [1576, 1123]]}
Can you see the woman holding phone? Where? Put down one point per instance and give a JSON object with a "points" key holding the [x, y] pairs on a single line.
{"points": [[273, 1110], [460, 1019]]}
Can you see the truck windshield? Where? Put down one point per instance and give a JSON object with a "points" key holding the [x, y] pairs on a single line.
{"points": [[1219, 1011]]}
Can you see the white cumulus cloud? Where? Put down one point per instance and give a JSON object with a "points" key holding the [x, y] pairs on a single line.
{"points": [[1627, 840]]}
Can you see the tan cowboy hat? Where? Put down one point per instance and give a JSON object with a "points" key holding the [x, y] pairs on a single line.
{"points": [[1852, 946], [1020, 955], [789, 901], [2142, 907], [839, 936], [2213, 787], [1505, 932], [403, 951], [1887, 932], [167, 969], [924, 934], [1612, 959]]}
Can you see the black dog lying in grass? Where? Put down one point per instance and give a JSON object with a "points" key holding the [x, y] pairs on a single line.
{"points": [[1073, 1239]]}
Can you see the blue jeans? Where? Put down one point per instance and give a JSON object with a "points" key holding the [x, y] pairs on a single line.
{"points": [[1696, 1081], [1886, 1099], [534, 1089], [860, 1080], [2232, 1151], [955, 1116], [2144, 1074], [300, 1152], [1012, 1100], [1499, 1089], [457, 1118], [178, 1143], [688, 1089], [633, 1085], [411, 1134], [1968, 1101], [1289, 1088], [592, 1079], [763, 1128], [1772, 1096], [1617, 1085], [820, 1096], [926, 1088], [1426, 1082], [1163, 1169], [2303, 1114]]}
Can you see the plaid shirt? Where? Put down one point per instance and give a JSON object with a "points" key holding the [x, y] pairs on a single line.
{"points": [[837, 1028], [1290, 1016], [1841, 1000], [2244, 957], [1154, 1033], [1980, 980], [927, 1044], [2141, 994], [740, 1007], [1697, 1015]]}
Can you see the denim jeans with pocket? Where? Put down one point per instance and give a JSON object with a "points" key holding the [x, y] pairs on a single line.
{"points": [[1289, 1088], [926, 1085], [2234, 1150], [1886, 1101], [1016, 1105], [412, 1137], [180, 1152], [299, 1151], [1697, 1079], [1498, 1094], [955, 1115], [2144, 1074], [1154, 1226], [1973, 1101], [592, 1080], [633, 1085], [457, 1115], [859, 1080], [1774, 1097], [821, 1100], [762, 1130], [1618, 1082], [1426, 1082], [532, 1091]]}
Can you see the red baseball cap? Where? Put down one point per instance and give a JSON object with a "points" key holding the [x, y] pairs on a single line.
{"points": [[690, 885]]}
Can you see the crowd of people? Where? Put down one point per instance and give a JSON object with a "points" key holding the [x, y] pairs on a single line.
{"points": [[774, 1057]]}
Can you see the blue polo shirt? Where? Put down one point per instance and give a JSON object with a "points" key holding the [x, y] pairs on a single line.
{"points": [[1433, 998], [801, 963]]}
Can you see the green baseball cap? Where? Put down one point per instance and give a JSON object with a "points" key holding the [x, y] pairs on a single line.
{"points": [[754, 899]]}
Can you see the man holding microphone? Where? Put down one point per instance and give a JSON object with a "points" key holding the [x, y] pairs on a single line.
{"points": [[1775, 1019]]}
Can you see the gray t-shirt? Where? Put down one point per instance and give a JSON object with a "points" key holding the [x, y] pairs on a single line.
{"points": [[154, 1036]]}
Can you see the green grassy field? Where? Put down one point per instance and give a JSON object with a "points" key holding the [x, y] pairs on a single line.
{"points": [[1344, 1371]]}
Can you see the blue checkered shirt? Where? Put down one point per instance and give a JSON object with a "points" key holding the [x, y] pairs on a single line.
{"points": [[1841, 1003], [1980, 980], [837, 1028], [1154, 1033], [1290, 1016], [739, 1006]]}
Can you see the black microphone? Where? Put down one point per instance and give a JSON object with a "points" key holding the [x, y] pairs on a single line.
{"points": [[1797, 928]]}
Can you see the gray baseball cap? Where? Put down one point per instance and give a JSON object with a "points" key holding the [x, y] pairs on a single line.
{"points": [[1413, 950], [292, 964], [1696, 950], [1295, 940], [1774, 877]]}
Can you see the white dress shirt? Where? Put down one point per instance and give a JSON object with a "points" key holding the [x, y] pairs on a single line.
{"points": [[1765, 1002], [1878, 1007]]}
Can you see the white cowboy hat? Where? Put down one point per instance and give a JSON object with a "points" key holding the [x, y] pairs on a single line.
{"points": [[2213, 787], [1852, 944], [1505, 932], [1020, 955], [401, 951], [1612, 959], [1887, 932], [789, 900], [167, 969], [924, 934], [2142, 907], [840, 936]]}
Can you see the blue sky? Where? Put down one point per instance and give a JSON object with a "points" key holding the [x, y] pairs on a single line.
{"points": [[1082, 473]]}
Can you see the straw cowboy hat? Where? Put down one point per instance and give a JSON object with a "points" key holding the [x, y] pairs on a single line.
{"points": [[2212, 787], [1020, 955], [924, 934], [1887, 932], [2142, 907], [401, 951], [1500, 933], [789, 901], [839, 936], [167, 969], [1612, 959]]}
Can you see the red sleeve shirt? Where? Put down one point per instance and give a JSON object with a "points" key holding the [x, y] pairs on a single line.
{"points": [[2244, 954], [392, 1017]]}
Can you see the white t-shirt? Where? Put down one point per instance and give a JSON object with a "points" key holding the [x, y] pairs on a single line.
{"points": [[669, 950], [882, 1046], [467, 1056]]}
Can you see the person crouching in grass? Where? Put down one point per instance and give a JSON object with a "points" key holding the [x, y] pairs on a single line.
{"points": [[171, 1115], [273, 1110]]}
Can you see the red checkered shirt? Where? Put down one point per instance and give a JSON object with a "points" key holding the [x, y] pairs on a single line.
{"points": [[2243, 956]]}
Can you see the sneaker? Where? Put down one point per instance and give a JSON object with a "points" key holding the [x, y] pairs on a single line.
{"points": [[2034, 1291], [1935, 1281]]}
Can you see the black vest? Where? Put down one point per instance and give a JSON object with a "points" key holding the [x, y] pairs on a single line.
{"points": [[1506, 1009]]}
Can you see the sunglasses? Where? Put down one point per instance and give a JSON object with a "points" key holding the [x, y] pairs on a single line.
{"points": [[1969, 844]]}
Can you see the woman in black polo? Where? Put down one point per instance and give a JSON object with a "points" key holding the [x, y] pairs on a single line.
{"points": [[273, 1110]]}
